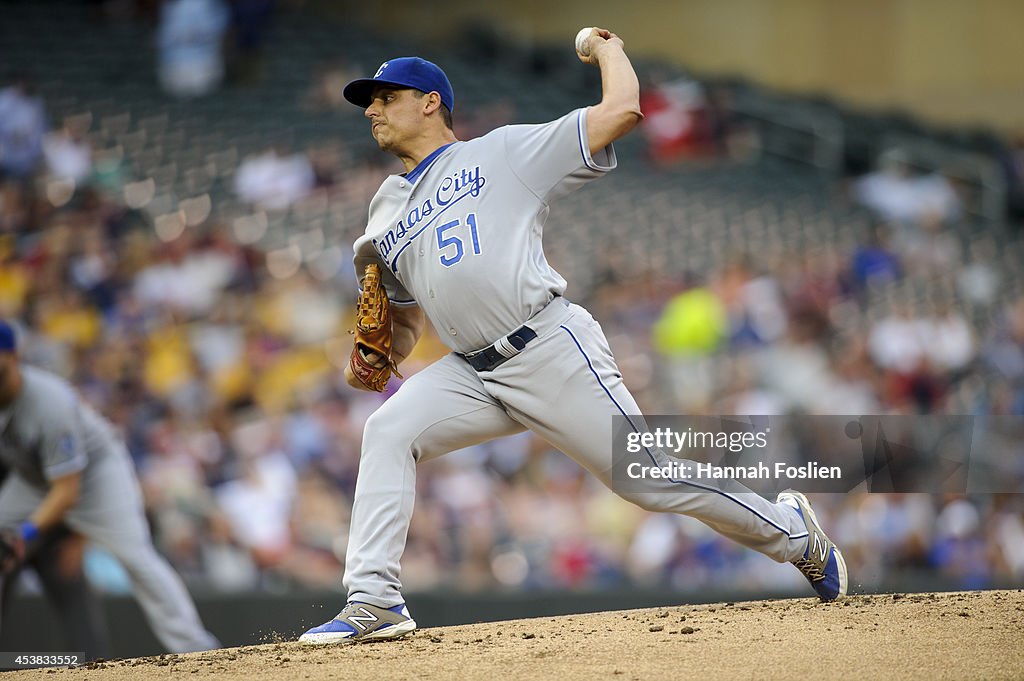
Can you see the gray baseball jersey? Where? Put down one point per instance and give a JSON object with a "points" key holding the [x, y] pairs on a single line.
{"points": [[48, 433], [460, 235]]}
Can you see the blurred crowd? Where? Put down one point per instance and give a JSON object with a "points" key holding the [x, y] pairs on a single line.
{"points": [[221, 365]]}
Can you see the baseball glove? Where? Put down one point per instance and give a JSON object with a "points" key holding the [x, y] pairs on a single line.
{"points": [[371, 361], [12, 550]]}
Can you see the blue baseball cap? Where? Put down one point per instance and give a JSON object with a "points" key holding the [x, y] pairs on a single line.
{"points": [[8, 339], [406, 72]]}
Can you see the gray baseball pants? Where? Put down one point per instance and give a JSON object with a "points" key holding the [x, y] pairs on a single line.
{"points": [[109, 512], [565, 387]]}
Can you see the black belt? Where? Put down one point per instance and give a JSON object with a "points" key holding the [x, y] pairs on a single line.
{"points": [[490, 358]]}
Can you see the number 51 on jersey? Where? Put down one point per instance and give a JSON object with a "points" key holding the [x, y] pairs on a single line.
{"points": [[448, 235]]}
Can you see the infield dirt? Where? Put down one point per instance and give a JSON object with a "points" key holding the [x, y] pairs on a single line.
{"points": [[971, 635]]}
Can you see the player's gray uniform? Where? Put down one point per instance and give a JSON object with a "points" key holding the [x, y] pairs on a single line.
{"points": [[462, 239], [48, 433]]}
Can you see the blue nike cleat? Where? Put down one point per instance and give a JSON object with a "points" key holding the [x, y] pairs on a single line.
{"points": [[823, 564], [362, 622]]}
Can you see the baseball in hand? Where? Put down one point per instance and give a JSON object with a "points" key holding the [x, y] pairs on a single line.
{"points": [[582, 46]]}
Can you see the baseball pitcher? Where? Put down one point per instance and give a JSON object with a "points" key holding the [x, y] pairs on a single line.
{"points": [[456, 238]]}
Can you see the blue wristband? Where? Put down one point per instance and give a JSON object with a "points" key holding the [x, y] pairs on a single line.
{"points": [[28, 531]]}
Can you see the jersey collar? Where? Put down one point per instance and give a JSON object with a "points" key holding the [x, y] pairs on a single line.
{"points": [[421, 168]]}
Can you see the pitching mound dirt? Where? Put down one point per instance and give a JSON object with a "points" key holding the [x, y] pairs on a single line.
{"points": [[975, 635]]}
